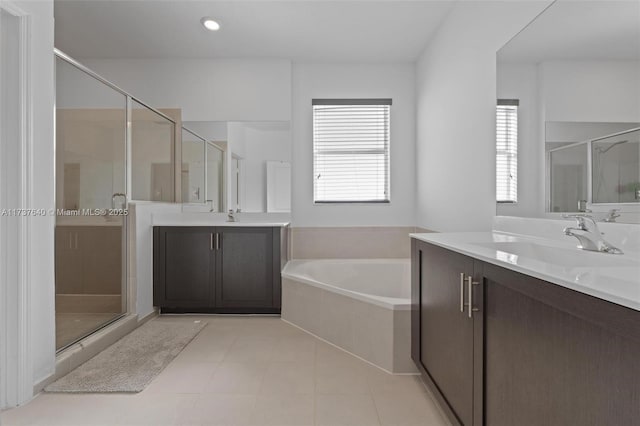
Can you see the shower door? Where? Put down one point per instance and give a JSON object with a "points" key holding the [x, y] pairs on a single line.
{"points": [[91, 202]]}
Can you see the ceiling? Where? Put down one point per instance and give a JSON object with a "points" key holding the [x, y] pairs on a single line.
{"points": [[579, 30], [301, 30]]}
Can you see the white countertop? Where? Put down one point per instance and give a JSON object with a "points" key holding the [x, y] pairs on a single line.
{"points": [[615, 278], [90, 221], [220, 219], [214, 223]]}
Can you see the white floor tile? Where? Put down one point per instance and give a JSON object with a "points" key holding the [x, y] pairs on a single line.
{"points": [[237, 378], [248, 371], [345, 410], [288, 378], [284, 410], [416, 409], [222, 410], [183, 378]]}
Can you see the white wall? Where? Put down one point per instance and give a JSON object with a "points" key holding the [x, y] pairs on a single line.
{"points": [[193, 182], [10, 131], [258, 143], [262, 90], [520, 81], [42, 233], [32, 245], [206, 89], [598, 91], [141, 277], [395, 81], [562, 91], [456, 98], [210, 130]]}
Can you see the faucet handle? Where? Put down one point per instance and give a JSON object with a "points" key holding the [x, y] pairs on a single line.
{"points": [[586, 222], [580, 217], [612, 215]]}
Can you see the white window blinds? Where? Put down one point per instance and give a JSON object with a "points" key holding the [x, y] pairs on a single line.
{"points": [[507, 151], [351, 150]]}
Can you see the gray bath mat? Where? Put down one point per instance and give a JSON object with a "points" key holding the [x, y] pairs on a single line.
{"points": [[131, 363]]}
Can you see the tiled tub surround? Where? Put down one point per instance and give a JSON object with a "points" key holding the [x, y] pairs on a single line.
{"points": [[361, 242], [360, 305]]}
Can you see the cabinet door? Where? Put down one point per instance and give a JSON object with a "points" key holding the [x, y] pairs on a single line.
{"points": [[184, 274], [246, 268], [68, 261], [446, 331], [557, 357]]}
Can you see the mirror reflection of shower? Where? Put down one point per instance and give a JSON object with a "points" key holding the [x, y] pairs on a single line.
{"points": [[616, 168]]}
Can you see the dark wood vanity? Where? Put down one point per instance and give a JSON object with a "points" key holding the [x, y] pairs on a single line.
{"points": [[221, 269], [500, 348]]}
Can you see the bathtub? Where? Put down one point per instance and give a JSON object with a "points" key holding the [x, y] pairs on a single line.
{"points": [[360, 305]]}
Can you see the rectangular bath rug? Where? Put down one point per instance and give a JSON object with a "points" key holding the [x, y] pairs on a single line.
{"points": [[130, 364]]}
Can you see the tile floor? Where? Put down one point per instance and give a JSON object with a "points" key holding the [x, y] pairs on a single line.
{"points": [[248, 371]]}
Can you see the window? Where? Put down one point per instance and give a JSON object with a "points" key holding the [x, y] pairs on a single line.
{"points": [[351, 150], [507, 151]]}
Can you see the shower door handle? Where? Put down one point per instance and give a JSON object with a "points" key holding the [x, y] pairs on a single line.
{"points": [[118, 195]]}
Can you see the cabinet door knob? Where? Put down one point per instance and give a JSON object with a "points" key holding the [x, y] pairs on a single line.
{"points": [[217, 241], [211, 241]]}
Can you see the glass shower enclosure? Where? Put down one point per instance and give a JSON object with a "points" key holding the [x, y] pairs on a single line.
{"points": [[95, 127]]}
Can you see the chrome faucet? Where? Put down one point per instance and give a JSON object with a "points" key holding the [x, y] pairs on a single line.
{"points": [[230, 216], [612, 215], [589, 235]]}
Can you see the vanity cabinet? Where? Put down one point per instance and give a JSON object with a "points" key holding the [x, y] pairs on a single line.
{"points": [[185, 267], [248, 268], [445, 326], [532, 353], [220, 269]]}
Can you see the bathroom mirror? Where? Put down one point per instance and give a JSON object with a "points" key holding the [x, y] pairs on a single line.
{"points": [[574, 74], [258, 155]]}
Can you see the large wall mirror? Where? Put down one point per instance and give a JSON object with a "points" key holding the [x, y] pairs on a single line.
{"points": [[257, 164], [571, 79]]}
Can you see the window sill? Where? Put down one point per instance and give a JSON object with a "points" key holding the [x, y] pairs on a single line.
{"points": [[321, 203]]}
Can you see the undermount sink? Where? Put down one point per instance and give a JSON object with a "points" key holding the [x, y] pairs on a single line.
{"points": [[558, 255]]}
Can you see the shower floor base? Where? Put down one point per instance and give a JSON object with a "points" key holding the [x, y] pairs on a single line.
{"points": [[71, 327]]}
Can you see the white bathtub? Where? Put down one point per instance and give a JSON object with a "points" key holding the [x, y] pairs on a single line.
{"points": [[383, 282], [360, 305]]}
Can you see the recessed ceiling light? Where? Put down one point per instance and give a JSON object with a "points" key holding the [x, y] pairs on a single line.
{"points": [[210, 24]]}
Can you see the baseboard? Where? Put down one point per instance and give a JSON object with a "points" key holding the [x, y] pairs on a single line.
{"points": [[148, 317]]}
